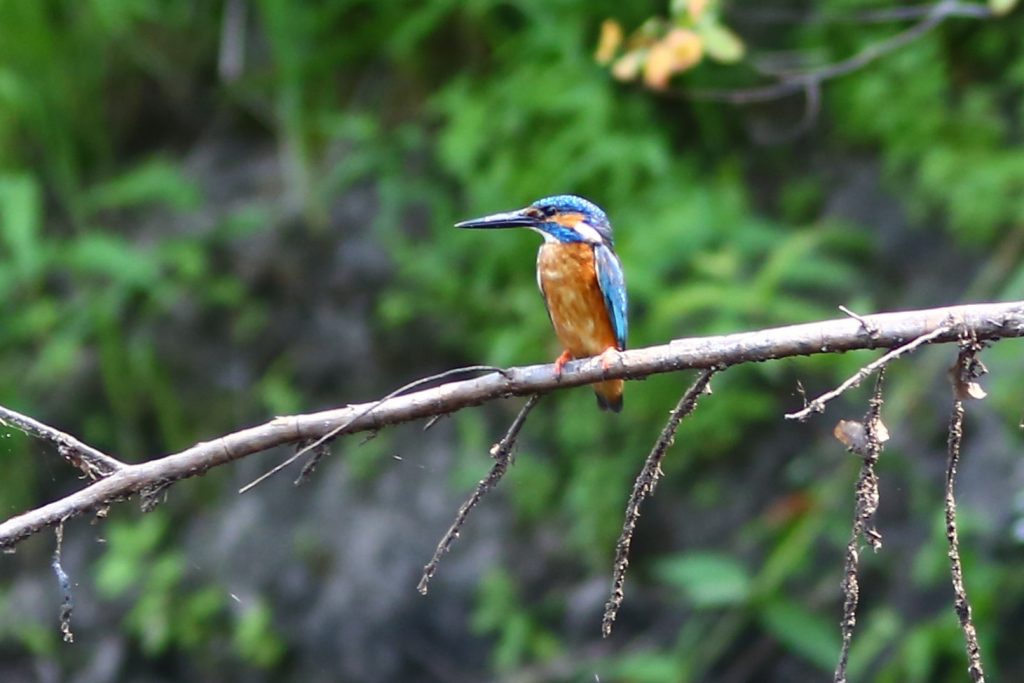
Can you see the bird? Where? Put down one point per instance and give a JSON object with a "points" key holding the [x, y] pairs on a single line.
{"points": [[580, 278]]}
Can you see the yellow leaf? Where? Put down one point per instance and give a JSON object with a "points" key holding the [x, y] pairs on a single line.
{"points": [[678, 51], [658, 67], [628, 65], [851, 434], [609, 42], [687, 47]]}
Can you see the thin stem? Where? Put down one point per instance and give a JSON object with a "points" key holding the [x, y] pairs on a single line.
{"points": [[502, 454], [643, 487]]}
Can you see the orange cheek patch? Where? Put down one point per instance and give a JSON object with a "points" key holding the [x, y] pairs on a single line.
{"points": [[569, 220]]}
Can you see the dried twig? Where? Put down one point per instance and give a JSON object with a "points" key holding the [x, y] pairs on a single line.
{"points": [[883, 15], [318, 445], [643, 487], [818, 404], [983, 321], [863, 521], [792, 84], [153, 494], [231, 55], [502, 454], [965, 374], [868, 327], [92, 462], [321, 452], [67, 603]]}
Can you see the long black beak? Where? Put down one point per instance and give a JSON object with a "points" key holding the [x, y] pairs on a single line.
{"points": [[510, 219]]}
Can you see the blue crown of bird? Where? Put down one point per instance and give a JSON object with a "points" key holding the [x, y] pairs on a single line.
{"points": [[580, 278]]}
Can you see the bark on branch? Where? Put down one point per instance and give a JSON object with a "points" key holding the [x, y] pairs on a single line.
{"points": [[888, 330]]}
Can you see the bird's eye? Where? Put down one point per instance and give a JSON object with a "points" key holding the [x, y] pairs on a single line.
{"points": [[549, 211]]}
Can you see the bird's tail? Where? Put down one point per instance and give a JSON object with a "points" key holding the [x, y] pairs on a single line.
{"points": [[609, 395]]}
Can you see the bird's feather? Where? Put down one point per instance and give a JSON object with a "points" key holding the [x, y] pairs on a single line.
{"points": [[613, 287]]}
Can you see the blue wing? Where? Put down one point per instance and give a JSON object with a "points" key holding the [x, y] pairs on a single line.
{"points": [[613, 286]]}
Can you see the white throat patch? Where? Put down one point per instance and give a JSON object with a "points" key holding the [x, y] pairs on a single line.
{"points": [[547, 237]]}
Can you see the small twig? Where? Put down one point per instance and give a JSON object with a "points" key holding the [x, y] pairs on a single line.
{"points": [[153, 495], [869, 327], [432, 421], [863, 523], [318, 443], [95, 464], [231, 57], [644, 486], [314, 461], [300, 450], [883, 15], [818, 404], [502, 454], [964, 369], [67, 604], [808, 118], [795, 83]]}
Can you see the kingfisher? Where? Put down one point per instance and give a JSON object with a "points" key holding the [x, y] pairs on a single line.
{"points": [[580, 277]]}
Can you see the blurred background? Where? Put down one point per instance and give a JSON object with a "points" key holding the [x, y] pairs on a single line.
{"points": [[212, 213]]}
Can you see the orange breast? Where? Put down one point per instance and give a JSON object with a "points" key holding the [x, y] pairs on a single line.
{"points": [[569, 282]]}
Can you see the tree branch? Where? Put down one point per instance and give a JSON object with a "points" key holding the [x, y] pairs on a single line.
{"points": [[966, 370], [866, 496], [320, 443], [982, 321], [67, 604], [818, 404], [502, 454], [92, 462], [884, 15], [643, 487], [803, 81]]}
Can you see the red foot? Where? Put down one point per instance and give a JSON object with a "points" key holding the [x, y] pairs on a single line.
{"points": [[560, 363]]}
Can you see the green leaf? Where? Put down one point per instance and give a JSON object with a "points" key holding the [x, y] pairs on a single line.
{"points": [[155, 182], [803, 632], [38, 639], [649, 667], [876, 632], [127, 559], [919, 654], [20, 219], [1001, 7], [12, 90], [165, 572], [114, 257], [255, 639], [199, 612], [720, 43], [707, 579], [679, 7]]}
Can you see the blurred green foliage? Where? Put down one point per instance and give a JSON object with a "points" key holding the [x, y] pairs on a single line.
{"points": [[520, 633], [163, 611], [110, 236]]}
